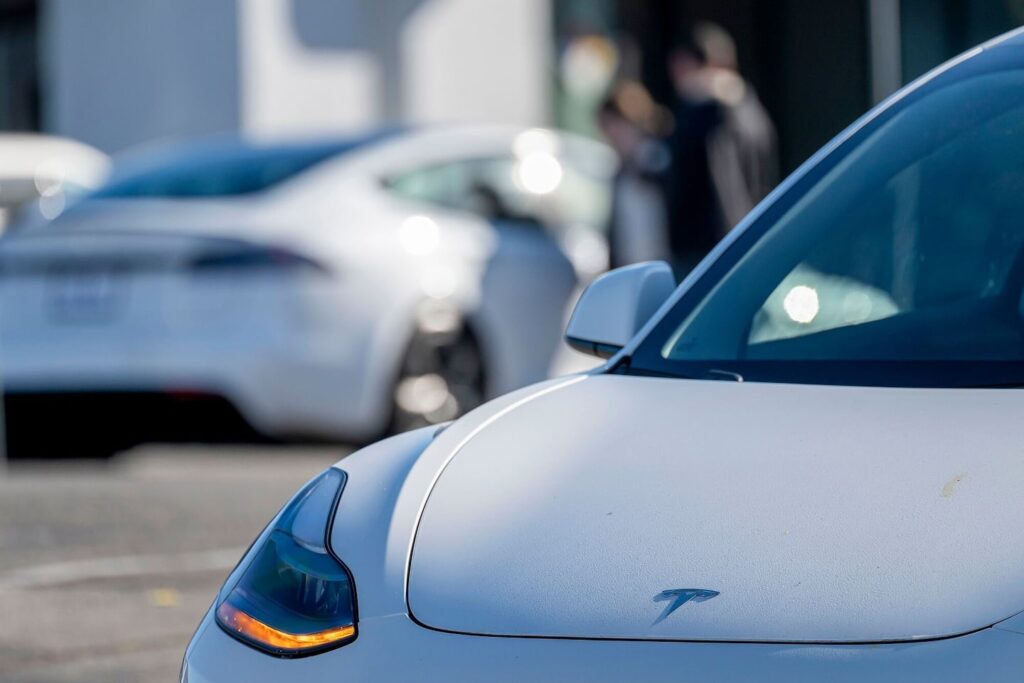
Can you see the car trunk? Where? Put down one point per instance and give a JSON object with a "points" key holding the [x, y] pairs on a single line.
{"points": [[93, 294]]}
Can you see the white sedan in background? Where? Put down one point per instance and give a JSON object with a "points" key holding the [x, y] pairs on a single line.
{"points": [[805, 465], [329, 290]]}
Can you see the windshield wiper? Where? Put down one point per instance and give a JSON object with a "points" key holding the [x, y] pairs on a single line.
{"points": [[715, 373], [625, 368]]}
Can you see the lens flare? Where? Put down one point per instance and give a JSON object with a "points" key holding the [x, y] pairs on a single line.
{"points": [[539, 173], [419, 235], [801, 304]]}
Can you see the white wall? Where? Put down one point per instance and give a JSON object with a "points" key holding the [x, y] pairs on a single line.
{"points": [[122, 72], [330, 65], [290, 86], [478, 60]]}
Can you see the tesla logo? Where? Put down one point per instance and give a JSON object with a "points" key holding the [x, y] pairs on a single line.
{"points": [[677, 597]]}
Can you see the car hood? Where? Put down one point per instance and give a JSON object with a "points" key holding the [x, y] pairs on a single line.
{"points": [[818, 514]]}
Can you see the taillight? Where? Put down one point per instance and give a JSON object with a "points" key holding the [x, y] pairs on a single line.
{"points": [[253, 258], [291, 596]]}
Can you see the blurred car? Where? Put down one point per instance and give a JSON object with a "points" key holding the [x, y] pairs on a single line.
{"points": [[801, 465], [327, 290], [42, 173]]}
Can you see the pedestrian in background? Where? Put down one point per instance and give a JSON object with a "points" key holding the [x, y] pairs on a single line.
{"points": [[722, 146], [632, 123]]}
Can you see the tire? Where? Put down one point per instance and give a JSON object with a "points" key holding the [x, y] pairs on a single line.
{"points": [[442, 377]]}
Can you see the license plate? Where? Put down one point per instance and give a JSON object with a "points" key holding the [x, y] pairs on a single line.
{"points": [[87, 296]]}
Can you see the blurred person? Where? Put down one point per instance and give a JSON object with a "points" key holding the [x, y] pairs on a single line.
{"points": [[631, 121], [722, 145]]}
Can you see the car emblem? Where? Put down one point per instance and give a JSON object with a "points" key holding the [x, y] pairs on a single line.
{"points": [[678, 597]]}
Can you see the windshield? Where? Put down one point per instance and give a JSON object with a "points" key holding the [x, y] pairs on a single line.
{"points": [[900, 264]]}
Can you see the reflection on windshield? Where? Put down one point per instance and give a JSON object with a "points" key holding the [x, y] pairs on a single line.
{"points": [[808, 301]]}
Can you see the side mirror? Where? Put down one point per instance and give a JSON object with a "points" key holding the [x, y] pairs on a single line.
{"points": [[616, 305]]}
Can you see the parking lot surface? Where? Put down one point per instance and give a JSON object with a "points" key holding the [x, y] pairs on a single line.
{"points": [[107, 567]]}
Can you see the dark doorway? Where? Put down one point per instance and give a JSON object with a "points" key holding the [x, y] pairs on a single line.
{"points": [[935, 30], [19, 65], [808, 60]]}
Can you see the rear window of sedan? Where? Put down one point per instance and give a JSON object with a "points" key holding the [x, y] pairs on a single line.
{"points": [[221, 170]]}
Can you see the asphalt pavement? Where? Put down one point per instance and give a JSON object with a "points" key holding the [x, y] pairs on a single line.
{"points": [[107, 567]]}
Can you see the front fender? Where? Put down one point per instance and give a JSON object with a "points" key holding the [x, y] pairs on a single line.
{"points": [[364, 520], [388, 485]]}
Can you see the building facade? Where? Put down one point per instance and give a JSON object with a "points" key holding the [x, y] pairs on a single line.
{"points": [[119, 73], [816, 64]]}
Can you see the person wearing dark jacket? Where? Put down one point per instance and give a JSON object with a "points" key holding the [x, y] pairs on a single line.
{"points": [[722, 146]]}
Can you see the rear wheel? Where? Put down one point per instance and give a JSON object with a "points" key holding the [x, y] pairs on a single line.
{"points": [[442, 377]]}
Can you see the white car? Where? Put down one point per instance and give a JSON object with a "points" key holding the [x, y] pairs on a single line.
{"points": [[326, 290], [45, 172], [805, 465]]}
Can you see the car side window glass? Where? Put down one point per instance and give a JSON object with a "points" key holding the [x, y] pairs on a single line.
{"points": [[484, 187], [439, 185], [548, 192]]}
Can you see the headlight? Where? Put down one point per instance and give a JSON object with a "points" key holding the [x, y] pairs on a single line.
{"points": [[290, 596]]}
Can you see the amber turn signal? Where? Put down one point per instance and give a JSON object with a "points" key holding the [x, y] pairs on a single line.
{"points": [[255, 630]]}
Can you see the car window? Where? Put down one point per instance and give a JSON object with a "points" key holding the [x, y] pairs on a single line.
{"points": [[907, 252], [541, 189], [441, 185], [228, 168], [226, 176]]}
